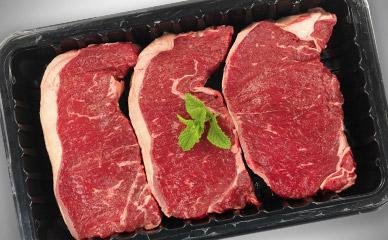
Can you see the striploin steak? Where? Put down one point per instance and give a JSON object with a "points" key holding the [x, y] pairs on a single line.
{"points": [[99, 181], [286, 105], [205, 179]]}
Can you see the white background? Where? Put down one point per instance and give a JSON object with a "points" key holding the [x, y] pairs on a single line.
{"points": [[18, 15]]}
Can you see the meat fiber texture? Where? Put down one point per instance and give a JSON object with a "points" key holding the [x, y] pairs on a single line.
{"points": [[205, 179], [286, 105], [99, 181]]}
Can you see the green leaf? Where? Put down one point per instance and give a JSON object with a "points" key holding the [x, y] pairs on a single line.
{"points": [[209, 115], [201, 118], [195, 127], [216, 136], [194, 106], [190, 136], [183, 120]]}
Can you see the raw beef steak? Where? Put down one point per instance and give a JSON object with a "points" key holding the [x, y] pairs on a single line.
{"points": [[205, 179], [286, 105], [99, 181]]}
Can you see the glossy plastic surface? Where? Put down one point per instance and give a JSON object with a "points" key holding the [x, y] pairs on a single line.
{"points": [[351, 55]]}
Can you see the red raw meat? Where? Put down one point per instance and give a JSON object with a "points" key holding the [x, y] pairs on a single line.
{"points": [[205, 179], [99, 181], [286, 105]]}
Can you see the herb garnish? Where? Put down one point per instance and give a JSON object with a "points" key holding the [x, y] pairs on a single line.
{"points": [[195, 127]]}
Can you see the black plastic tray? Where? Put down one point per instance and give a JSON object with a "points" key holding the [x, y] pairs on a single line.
{"points": [[351, 55]]}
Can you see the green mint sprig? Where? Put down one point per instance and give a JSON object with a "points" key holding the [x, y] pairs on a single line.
{"points": [[195, 127]]}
